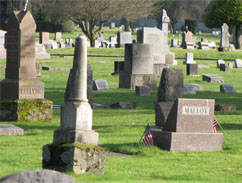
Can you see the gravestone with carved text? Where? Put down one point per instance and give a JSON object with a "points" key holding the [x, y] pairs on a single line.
{"points": [[189, 127], [20, 77]]}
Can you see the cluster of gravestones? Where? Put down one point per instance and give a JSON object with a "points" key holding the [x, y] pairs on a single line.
{"points": [[21, 92], [44, 39], [187, 123], [189, 41]]}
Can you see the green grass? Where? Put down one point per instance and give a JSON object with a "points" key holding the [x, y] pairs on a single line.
{"points": [[120, 130]]}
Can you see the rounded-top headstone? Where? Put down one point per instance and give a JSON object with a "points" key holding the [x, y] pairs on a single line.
{"points": [[41, 176]]}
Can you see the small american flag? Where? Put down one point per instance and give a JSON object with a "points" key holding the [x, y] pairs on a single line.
{"points": [[148, 137], [215, 123]]}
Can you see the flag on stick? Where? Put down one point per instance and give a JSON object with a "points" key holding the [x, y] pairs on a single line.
{"points": [[148, 137], [215, 123]]}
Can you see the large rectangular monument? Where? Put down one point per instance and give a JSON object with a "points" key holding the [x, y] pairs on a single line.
{"points": [[20, 76], [138, 67], [189, 127]]}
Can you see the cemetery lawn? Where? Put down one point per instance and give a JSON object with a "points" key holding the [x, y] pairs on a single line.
{"points": [[120, 130]]}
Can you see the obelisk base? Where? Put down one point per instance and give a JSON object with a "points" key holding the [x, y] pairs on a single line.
{"points": [[74, 157], [81, 136]]}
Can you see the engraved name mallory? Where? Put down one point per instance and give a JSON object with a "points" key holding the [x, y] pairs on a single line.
{"points": [[190, 110], [31, 90]]}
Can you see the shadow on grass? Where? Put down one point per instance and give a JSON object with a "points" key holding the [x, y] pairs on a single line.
{"points": [[126, 148], [232, 126]]}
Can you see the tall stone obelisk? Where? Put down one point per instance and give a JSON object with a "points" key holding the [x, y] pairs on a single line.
{"points": [[75, 137], [76, 114]]}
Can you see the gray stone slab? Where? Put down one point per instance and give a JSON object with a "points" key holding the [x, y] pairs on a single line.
{"points": [[10, 130], [100, 84], [226, 88], [195, 86], [41, 176], [213, 78], [189, 90], [53, 68], [225, 107], [192, 69], [142, 90], [123, 105]]}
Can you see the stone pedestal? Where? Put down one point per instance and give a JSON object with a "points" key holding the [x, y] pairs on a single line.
{"points": [[76, 157], [26, 110], [132, 80], [188, 142], [189, 127]]}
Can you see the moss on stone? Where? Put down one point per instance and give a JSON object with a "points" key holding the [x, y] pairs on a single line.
{"points": [[27, 109]]}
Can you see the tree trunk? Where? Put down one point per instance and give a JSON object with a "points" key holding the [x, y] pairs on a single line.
{"points": [[237, 40]]}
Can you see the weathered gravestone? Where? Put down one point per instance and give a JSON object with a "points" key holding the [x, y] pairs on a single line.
{"points": [[238, 63], [41, 176], [195, 86], [20, 77], [123, 105], [224, 67], [40, 51], [100, 84], [203, 44], [189, 90], [138, 67], [2, 51], [192, 69], [224, 41], [74, 146], [54, 68], [189, 59], [157, 38], [123, 38], [188, 40], [213, 78], [44, 38], [112, 25], [171, 88], [189, 127], [118, 67], [174, 43], [58, 36], [10, 130], [225, 107], [2, 37], [226, 88], [220, 62], [142, 91]]}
